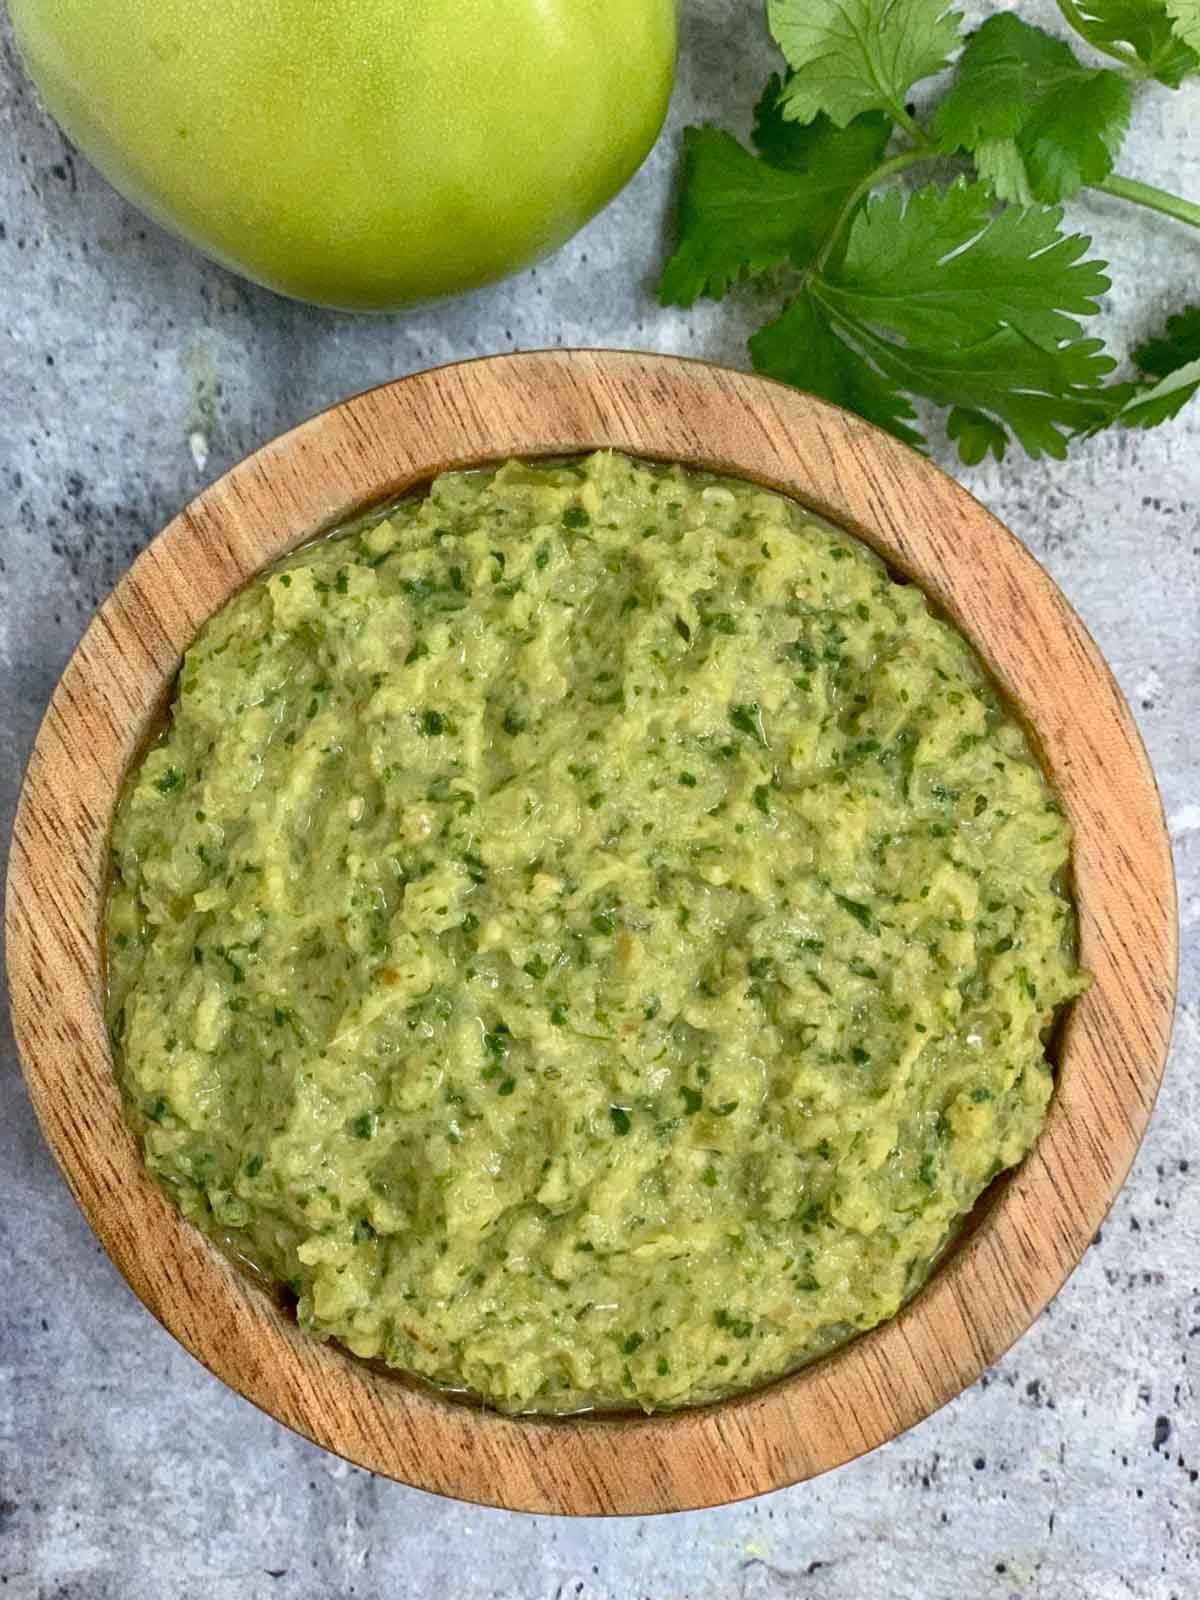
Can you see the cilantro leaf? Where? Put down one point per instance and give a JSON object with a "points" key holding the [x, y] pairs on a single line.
{"points": [[1044, 123], [941, 268], [742, 214], [850, 151], [1145, 26], [1163, 400], [1000, 163], [737, 215], [1170, 351], [851, 56], [935, 298], [800, 347], [976, 435], [1174, 359], [1185, 14], [1042, 397]]}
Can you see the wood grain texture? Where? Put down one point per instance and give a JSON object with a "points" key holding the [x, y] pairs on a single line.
{"points": [[1031, 1227]]}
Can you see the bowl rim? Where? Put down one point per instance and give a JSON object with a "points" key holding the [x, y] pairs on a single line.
{"points": [[1036, 1222]]}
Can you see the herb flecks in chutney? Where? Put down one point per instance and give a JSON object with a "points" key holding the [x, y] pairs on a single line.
{"points": [[590, 933]]}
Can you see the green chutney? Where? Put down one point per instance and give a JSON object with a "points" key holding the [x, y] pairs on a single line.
{"points": [[590, 933]]}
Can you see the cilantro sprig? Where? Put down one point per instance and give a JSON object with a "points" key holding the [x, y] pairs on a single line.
{"points": [[967, 293]]}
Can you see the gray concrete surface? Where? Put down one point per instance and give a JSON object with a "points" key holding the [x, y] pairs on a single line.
{"points": [[131, 372]]}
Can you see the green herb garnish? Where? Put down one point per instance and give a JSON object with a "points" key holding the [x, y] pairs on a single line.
{"points": [[966, 293]]}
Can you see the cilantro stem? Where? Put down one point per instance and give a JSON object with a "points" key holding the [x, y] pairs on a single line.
{"points": [[886, 169], [901, 117], [1145, 194], [1115, 52]]}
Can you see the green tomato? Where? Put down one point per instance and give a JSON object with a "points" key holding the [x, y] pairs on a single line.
{"points": [[359, 153]]}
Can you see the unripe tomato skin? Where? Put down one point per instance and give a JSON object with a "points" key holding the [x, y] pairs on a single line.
{"points": [[365, 154]]}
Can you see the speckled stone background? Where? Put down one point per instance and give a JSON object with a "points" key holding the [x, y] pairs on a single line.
{"points": [[131, 373]]}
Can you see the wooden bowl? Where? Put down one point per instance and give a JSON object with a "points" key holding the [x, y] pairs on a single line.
{"points": [[1028, 1231]]}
